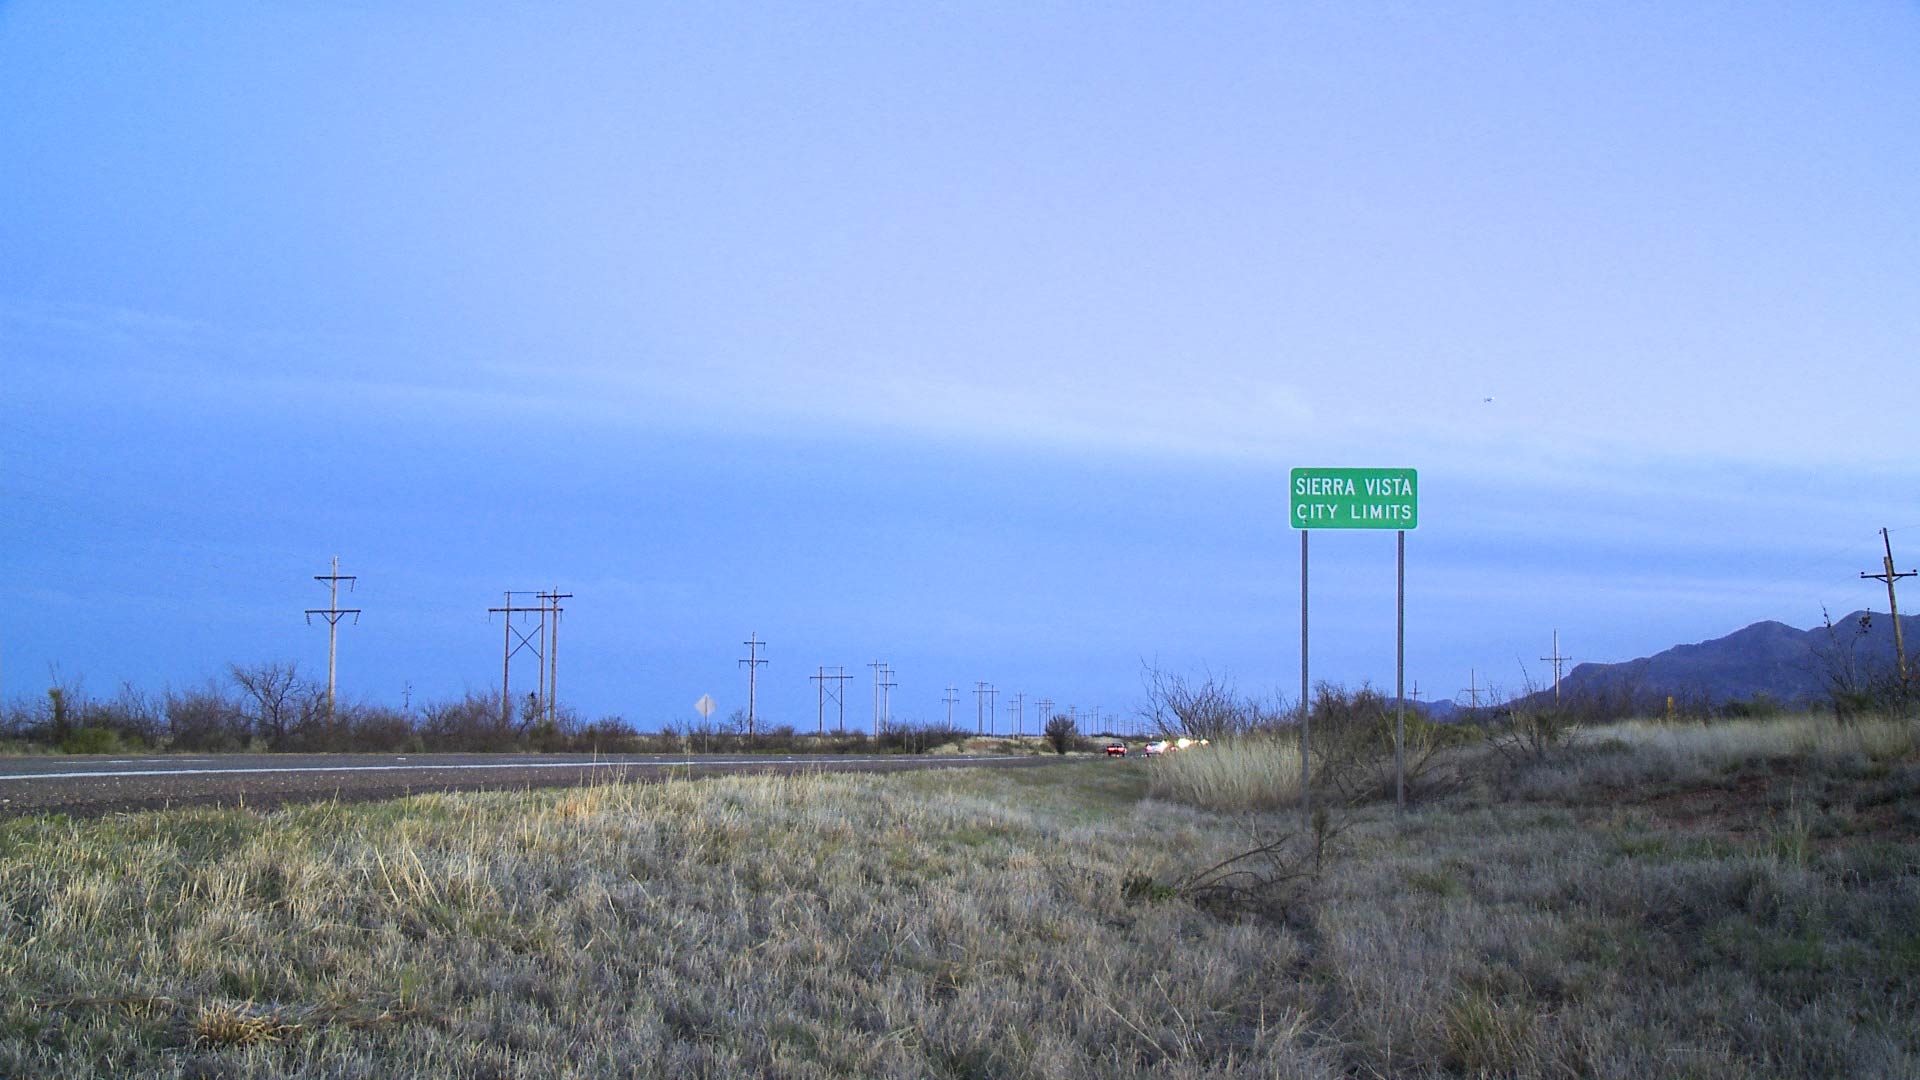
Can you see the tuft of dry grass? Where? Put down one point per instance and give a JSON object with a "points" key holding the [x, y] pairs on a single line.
{"points": [[1253, 772], [1025, 923], [222, 1024]]}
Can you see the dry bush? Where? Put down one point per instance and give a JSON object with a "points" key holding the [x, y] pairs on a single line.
{"points": [[1353, 740], [1276, 880], [1208, 707]]}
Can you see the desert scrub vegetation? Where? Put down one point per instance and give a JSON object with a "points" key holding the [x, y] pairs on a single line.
{"points": [[1056, 922], [1255, 762], [272, 707]]}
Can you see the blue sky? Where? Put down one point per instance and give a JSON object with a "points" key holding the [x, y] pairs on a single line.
{"points": [[977, 338]]}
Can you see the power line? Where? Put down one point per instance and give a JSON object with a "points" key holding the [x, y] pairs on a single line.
{"points": [[953, 695], [979, 708], [332, 613]]}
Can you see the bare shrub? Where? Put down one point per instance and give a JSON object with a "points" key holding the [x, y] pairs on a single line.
{"points": [[1532, 732], [472, 723], [1276, 880], [1353, 747], [274, 697], [206, 719], [1856, 685], [920, 738], [613, 735], [379, 729], [133, 717], [1205, 708], [1061, 732]]}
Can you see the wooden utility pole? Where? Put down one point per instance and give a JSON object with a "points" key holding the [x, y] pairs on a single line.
{"points": [[979, 708], [332, 613], [820, 703], [1557, 661], [550, 605], [840, 678], [879, 679], [1889, 575], [953, 695], [508, 650], [753, 662]]}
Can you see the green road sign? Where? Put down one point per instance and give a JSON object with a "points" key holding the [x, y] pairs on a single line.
{"points": [[1355, 499]]}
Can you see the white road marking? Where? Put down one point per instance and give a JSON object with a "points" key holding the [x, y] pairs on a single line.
{"points": [[257, 769]]}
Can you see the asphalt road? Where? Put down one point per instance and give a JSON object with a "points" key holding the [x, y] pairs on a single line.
{"points": [[98, 785]]}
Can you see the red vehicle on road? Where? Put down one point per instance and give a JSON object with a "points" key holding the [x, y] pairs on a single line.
{"points": [[1115, 749]]}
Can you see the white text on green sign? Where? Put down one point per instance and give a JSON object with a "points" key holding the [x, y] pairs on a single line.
{"points": [[1355, 499]]}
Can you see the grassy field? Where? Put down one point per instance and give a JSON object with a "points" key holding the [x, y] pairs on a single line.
{"points": [[1741, 900]]}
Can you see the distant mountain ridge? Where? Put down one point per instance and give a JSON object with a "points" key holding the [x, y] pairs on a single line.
{"points": [[1771, 658]]}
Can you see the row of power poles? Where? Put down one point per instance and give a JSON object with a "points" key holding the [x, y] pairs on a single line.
{"points": [[537, 634], [541, 640], [830, 687]]}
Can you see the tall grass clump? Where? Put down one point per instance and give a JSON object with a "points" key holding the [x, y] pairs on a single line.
{"points": [[1251, 772]]}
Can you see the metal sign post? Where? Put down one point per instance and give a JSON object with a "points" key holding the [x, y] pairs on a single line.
{"points": [[1357, 499]]}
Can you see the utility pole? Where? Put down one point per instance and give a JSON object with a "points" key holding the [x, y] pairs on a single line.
{"points": [[879, 677], [333, 611], [1889, 575], [753, 662], [953, 695], [1019, 704], [1045, 705], [1557, 661], [1473, 690], [840, 678], [550, 603], [508, 650], [886, 694], [820, 708], [979, 708], [993, 700]]}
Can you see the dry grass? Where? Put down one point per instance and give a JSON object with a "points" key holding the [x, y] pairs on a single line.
{"points": [[1254, 772], [1023, 923]]}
